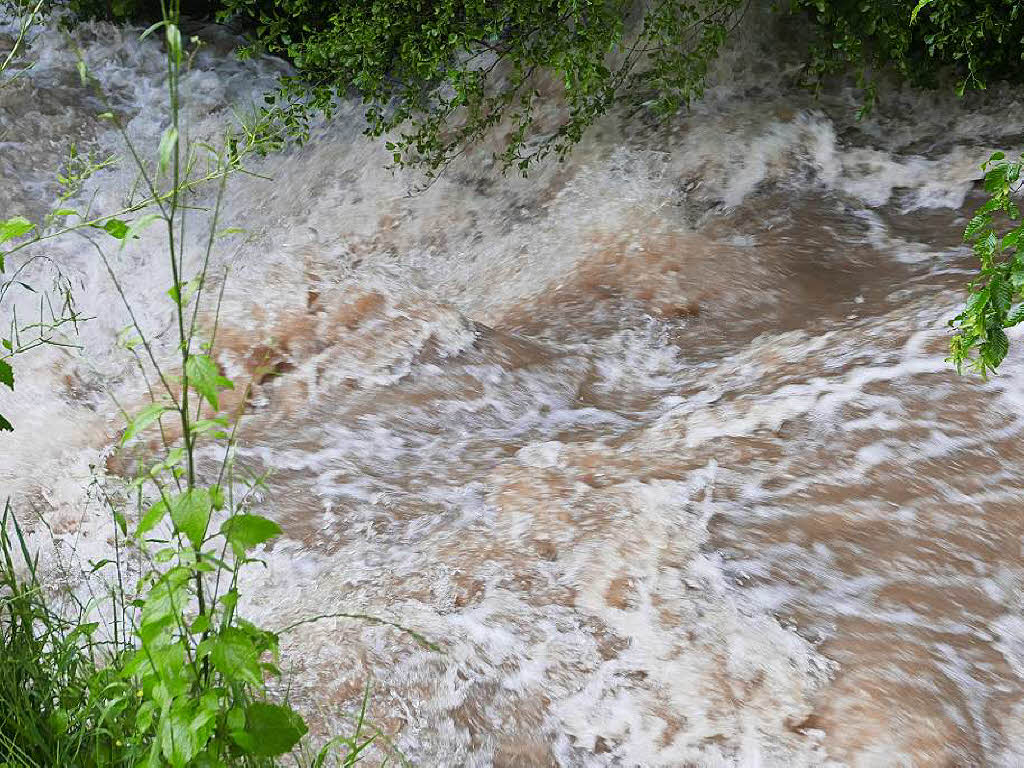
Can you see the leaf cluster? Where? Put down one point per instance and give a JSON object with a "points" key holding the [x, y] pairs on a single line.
{"points": [[995, 298], [976, 41], [436, 77]]}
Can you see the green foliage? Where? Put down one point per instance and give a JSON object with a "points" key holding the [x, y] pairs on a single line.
{"points": [[439, 76], [170, 675], [977, 40], [997, 236], [49, 713]]}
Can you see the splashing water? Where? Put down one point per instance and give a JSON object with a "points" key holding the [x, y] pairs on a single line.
{"points": [[659, 444]]}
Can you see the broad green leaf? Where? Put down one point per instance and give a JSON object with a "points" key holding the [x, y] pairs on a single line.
{"points": [[114, 228], [144, 716], [233, 654], [190, 512], [246, 531], [6, 374], [270, 730], [152, 518], [15, 227], [177, 741], [168, 142], [205, 378], [5, 425], [160, 610], [216, 497], [143, 419]]}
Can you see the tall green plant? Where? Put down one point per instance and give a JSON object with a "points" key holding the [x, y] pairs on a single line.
{"points": [[169, 673]]}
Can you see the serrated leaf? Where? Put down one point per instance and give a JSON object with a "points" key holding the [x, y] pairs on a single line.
{"points": [[14, 227], [205, 378], [976, 224], [1015, 318], [190, 513], [1002, 295], [994, 350], [6, 374], [246, 531], [143, 419]]}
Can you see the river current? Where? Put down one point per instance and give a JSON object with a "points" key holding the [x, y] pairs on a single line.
{"points": [[659, 444]]}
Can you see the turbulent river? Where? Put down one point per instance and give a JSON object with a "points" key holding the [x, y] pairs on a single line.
{"points": [[659, 444]]}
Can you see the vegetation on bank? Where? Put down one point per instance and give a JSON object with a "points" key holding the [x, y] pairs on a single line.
{"points": [[161, 669]]}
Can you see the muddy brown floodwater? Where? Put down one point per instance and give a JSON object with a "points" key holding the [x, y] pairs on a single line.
{"points": [[659, 445]]}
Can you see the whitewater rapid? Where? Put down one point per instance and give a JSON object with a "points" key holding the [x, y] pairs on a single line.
{"points": [[659, 444]]}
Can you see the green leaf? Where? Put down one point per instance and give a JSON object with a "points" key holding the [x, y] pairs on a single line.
{"points": [[976, 224], [152, 517], [174, 41], [1016, 318], [151, 29], [143, 419], [246, 531], [168, 141], [205, 378], [177, 741], [270, 730], [994, 350], [161, 608], [233, 654], [1002, 295], [216, 497], [114, 227], [15, 227], [6, 374], [190, 513], [5, 425]]}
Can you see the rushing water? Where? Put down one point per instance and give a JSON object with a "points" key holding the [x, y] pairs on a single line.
{"points": [[659, 444]]}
